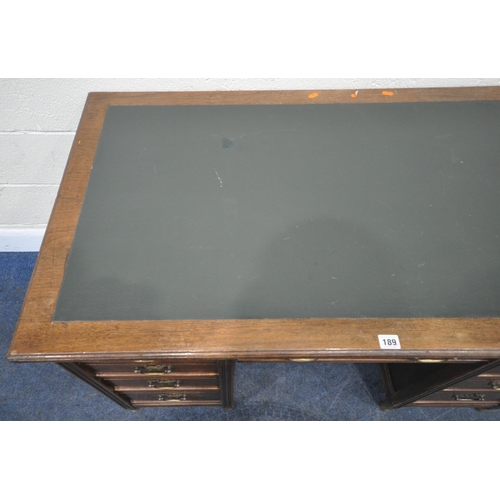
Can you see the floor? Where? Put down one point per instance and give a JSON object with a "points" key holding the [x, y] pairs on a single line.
{"points": [[263, 392]]}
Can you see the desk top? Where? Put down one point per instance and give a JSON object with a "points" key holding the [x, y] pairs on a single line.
{"points": [[240, 224]]}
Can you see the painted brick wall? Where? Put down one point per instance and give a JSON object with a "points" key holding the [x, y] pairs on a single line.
{"points": [[39, 117]]}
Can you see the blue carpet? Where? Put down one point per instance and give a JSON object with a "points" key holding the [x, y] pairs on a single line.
{"points": [[269, 392]]}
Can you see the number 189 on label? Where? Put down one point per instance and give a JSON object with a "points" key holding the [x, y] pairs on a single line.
{"points": [[389, 342]]}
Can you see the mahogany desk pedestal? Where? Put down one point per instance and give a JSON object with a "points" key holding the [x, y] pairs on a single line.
{"points": [[194, 230]]}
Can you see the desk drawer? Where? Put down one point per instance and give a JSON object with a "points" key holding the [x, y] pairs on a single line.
{"points": [[463, 395], [161, 382], [494, 372], [484, 382], [153, 368], [173, 397], [148, 383]]}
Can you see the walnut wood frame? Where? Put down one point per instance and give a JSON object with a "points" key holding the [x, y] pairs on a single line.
{"points": [[38, 338]]}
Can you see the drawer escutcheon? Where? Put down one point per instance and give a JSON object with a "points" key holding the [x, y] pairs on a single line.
{"points": [[154, 369], [495, 384], [172, 397], [468, 397], [163, 383]]}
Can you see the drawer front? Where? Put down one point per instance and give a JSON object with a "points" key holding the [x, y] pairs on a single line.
{"points": [[153, 368], [296, 359], [490, 383], [493, 372], [174, 397], [148, 383], [464, 396]]}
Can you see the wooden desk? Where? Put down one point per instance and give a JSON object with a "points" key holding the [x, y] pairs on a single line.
{"points": [[194, 230]]}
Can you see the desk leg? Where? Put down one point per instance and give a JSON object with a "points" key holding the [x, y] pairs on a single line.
{"points": [[423, 380], [226, 373], [87, 375]]}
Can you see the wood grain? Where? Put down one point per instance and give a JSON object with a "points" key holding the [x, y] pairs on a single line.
{"points": [[295, 96], [243, 339]]}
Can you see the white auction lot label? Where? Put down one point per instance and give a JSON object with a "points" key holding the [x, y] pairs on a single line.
{"points": [[389, 342]]}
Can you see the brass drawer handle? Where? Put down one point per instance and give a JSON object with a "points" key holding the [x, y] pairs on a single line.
{"points": [[153, 369], [164, 383], [495, 384], [430, 360], [172, 397], [302, 360], [468, 397]]}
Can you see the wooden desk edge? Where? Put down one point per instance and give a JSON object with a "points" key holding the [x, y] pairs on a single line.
{"points": [[479, 335], [315, 337], [309, 96]]}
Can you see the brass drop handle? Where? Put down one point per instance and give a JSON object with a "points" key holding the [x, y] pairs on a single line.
{"points": [[172, 397], [468, 397], [153, 369], [495, 384], [164, 383]]}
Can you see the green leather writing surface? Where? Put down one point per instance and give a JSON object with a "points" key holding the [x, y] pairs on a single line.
{"points": [[342, 210]]}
